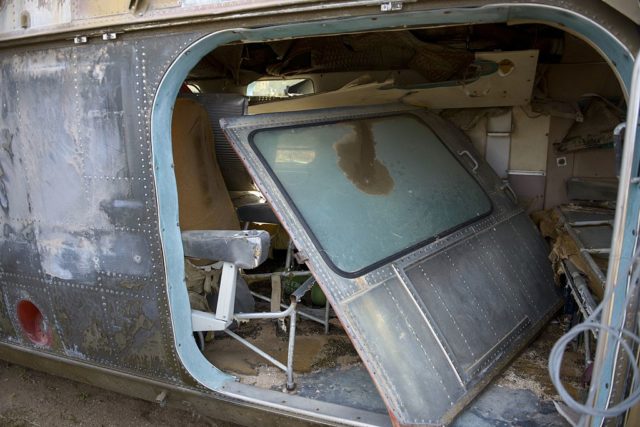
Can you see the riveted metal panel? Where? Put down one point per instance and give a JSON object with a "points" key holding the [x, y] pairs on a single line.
{"points": [[437, 323], [17, 288], [7, 332], [80, 228]]}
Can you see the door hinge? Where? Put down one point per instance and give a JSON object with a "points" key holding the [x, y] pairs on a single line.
{"points": [[391, 6], [109, 36]]}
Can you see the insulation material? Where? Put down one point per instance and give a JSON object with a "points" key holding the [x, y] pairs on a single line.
{"points": [[511, 86], [566, 247], [376, 51], [596, 131]]}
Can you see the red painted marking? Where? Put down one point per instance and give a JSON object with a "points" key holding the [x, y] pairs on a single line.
{"points": [[33, 324]]}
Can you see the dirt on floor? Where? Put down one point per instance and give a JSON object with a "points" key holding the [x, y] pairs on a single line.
{"points": [[529, 371], [313, 349], [31, 398]]}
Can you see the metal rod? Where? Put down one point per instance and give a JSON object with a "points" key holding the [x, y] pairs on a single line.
{"points": [[591, 223], [292, 342], [279, 273], [613, 315], [258, 351], [266, 314], [301, 313], [287, 261], [587, 257], [579, 289], [327, 308], [596, 251], [587, 349]]}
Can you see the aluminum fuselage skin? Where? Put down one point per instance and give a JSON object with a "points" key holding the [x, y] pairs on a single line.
{"points": [[83, 234]]}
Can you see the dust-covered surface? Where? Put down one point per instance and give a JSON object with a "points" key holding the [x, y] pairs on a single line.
{"points": [[328, 369], [313, 349], [31, 398], [523, 394], [529, 371]]}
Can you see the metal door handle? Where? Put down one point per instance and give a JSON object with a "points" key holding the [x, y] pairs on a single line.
{"points": [[473, 159], [506, 187]]}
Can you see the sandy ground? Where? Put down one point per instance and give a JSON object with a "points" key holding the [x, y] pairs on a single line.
{"points": [[31, 398]]}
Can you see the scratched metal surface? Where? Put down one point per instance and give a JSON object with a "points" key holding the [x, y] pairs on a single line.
{"points": [[78, 208], [435, 325]]}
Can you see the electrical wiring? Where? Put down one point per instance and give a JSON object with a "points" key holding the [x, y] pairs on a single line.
{"points": [[590, 324]]}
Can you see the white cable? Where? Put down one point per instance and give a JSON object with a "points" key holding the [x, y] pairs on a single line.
{"points": [[591, 323]]}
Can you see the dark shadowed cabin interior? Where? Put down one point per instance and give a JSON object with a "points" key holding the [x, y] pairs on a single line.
{"points": [[537, 104]]}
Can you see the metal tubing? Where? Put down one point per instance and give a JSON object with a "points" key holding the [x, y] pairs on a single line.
{"points": [[613, 314], [257, 350], [579, 289], [280, 273], [590, 223], [327, 308], [597, 251], [287, 261], [300, 312], [291, 311], [587, 349], [292, 342], [587, 257], [267, 315]]}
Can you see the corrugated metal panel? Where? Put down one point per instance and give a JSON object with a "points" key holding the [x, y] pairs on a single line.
{"points": [[219, 105]]}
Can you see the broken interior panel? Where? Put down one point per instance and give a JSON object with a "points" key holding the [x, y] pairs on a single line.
{"points": [[383, 221]]}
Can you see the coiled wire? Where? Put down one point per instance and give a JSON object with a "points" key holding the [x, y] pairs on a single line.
{"points": [[591, 323]]}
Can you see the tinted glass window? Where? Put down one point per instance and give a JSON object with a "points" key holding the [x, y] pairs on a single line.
{"points": [[368, 189]]}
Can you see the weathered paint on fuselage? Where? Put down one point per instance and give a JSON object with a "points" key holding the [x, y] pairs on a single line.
{"points": [[82, 238]]}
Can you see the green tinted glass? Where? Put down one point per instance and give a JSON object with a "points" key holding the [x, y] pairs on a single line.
{"points": [[368, 189]]}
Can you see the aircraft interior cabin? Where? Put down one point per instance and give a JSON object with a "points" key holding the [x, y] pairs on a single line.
{"points": [[367, 147]]}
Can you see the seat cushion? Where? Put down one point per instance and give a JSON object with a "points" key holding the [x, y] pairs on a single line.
{"points": [[203, 199]]}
